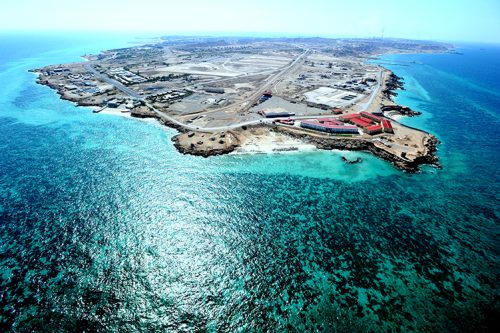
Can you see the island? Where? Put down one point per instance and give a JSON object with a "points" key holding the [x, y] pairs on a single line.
{"points": [[235, 94]]}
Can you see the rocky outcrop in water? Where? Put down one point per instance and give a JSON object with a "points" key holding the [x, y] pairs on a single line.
{"points": [[392, 84], [357, 160], [404, 110]]}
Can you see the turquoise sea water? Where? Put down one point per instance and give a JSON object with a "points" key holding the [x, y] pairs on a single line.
{"points": [[105, 227]]}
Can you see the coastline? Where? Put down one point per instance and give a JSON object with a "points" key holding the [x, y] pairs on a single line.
{"points": [[308, 142], [248, 139], [403, 251], [429, 158]]}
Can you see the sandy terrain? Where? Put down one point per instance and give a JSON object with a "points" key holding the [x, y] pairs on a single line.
{"points": [[266, 141]]}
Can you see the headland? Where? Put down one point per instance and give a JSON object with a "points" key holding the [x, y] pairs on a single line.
{"points": [[257, 94]]}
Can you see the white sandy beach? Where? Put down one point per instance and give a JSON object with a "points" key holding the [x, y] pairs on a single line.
{"points": [[273, 143]]}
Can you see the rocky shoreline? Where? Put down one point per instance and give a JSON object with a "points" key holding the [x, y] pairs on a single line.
{"points": [[213, 144], [392, 84], [411, 166], [198, 148], [206, 144], [61, 94], [194, 143]]}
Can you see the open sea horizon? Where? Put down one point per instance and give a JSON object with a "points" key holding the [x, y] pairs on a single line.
{"points": [[104, 226]]}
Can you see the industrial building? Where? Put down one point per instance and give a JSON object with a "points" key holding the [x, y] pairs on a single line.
{"points": [[112, 104], [349, 116], [330, 120], [329, 127], [371, 123], [371, 116], [268, 114], [366, 120], [374, 129], [387, 126], [360, 122]]}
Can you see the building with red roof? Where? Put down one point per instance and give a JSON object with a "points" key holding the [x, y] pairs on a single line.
{"points": [[359, 122], [387, 126], [367, 120], [330, 120], [329, 128], [371, 116], [374, 129], [349, 116]]}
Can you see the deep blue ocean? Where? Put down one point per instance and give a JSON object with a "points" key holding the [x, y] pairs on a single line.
{"points": [[105, 227]]}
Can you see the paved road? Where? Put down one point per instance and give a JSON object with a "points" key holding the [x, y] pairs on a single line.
{"points": [[136, 96], [115, 83], [375, 92], [255, 97], [170, 119]]}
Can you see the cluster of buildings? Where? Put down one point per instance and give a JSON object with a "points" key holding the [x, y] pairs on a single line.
{"points": [[77, 84], [81, 88], [170, 96], [126, 102], [55, 71], [329, 125], [345, 124], [126, 77], [369, 122]]}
